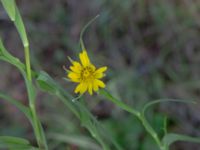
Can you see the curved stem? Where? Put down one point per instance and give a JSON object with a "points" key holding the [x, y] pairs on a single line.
{"points": [[83, 30], [139, 115], [150, 130]]}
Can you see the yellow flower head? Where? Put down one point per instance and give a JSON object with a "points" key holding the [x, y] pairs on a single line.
{"points": [[86, 74]]}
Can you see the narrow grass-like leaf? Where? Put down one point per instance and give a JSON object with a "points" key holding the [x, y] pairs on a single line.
{"points": [[88, 122], [170, 138], [118, 102], [165, 125], [16, 103], [9, 146], [16, 62], [47, 84], [21, 29], [17, 20], [14, 140], [15, 143], [9, 6], [80, 141], [165, 100], [6, 56], [2, 49]]}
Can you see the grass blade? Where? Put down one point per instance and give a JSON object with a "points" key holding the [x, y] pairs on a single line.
{"points": [[165, 100], [21, 29], [172, 137], [118, 102], [80, 141], [9, 6], [19, 105]]}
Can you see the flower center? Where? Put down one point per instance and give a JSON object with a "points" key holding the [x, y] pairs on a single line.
{"points": [[87, 72]]}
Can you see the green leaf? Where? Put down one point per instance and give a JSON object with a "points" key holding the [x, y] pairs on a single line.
{"points": [[9, 6], [14, 146], [146, 106], [15, 16], [15, 143], [2, 48], [21, 29], [13, 140], [118, 102], [170, 138], [47, 84], [78, 140], [6, 56], [88, 121], [19, 105], [165, 125], [16, 62]]}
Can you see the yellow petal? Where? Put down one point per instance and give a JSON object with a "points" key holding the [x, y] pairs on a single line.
{"points": [[95, 87], [90, 90], [84, 88], [81, 88], [78, 88], [99, 83], [76, 67], [92, 67], [73, 75], [99, 72], [75, 80], [84, 58], [99, 75]]}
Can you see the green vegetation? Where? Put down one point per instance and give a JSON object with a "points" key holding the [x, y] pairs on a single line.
{"points": [[151, 50]]}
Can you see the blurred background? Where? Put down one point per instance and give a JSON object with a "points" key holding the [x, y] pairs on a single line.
{"points": [[151, 48]]}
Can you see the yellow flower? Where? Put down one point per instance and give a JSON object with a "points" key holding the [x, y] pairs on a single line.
{"points": [[86, 74]]}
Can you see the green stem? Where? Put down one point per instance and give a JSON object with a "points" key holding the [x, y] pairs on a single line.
{"points": [[150, 130], [164, 148], [119, 103], [102, 144], [28, 64], [36, 122], [26, 72], [36, 127], [139, 115], [83, 31]]}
